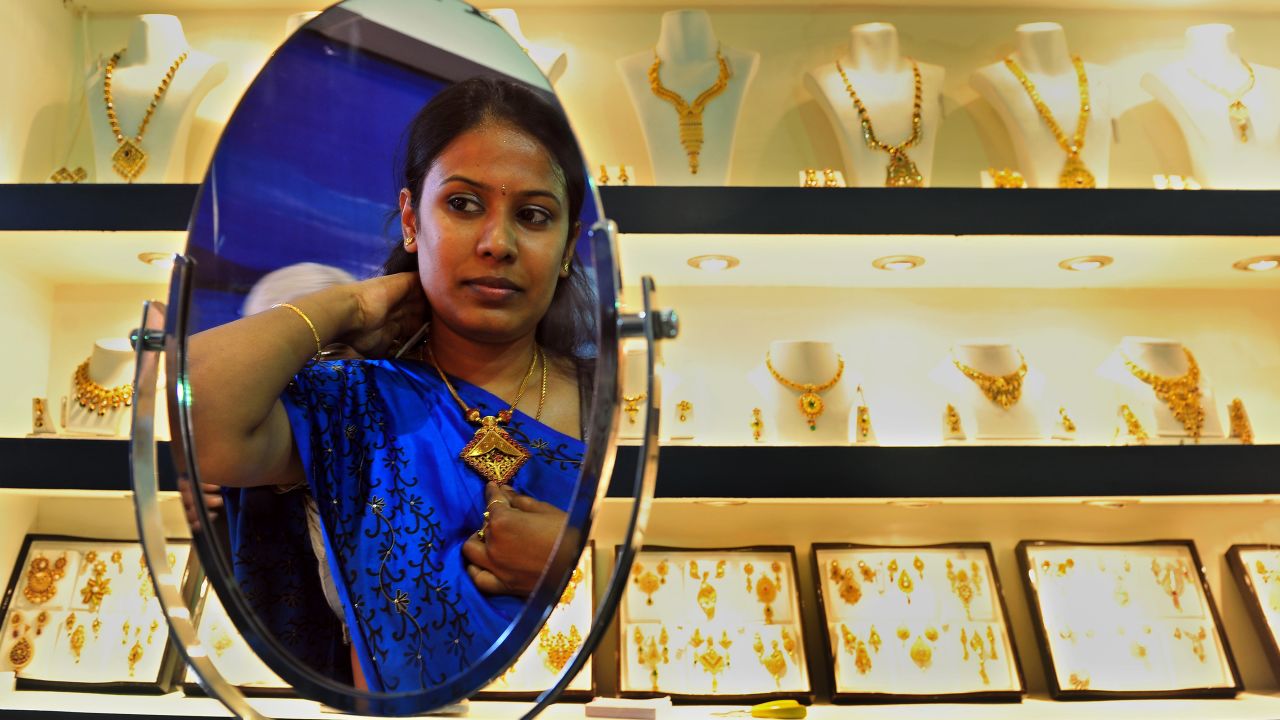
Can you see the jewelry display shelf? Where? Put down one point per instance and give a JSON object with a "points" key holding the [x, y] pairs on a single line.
{"points": [[74, 464], [753, 210], [925, 472]]}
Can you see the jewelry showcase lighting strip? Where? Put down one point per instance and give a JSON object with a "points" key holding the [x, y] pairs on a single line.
{"points": [[1262, 263], [1086, 262], [714, 263], [897, 263]]}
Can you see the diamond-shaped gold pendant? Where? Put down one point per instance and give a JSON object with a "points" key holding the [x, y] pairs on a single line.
{"points": [[1075, 176], [129, 160], [493, 453]]}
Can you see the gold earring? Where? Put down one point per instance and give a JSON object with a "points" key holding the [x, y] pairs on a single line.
{"points": [[631, 406], [684, 406], [1068, 425], [767, 590], [810, 177], [757, 424], [1133, 426], [1240, 426], [117, 558], [135, 655], [829, 178], [565, 268], [864, 416], [707, 596], [849, 589], [748, 569], [77, 641], [622, 175], [604, 176], [952, 419], [408, 239], [41, 620], [124, 630]]}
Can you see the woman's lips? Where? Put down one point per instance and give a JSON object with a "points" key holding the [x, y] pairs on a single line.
{"points": [[492, 288]]}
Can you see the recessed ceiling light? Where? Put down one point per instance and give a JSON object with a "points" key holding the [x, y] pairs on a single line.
{"points": [[897, 263], [1086, 263], [155, 258], [714, 263], [1262, 263]]}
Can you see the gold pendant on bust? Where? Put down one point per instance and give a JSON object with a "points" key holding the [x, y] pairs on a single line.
{"points": [[902, 172], [129, 160], [1239, 114], [1075, 176], [811, 406], [493, 453]]}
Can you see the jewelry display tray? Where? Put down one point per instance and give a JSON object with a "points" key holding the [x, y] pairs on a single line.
{"points": [[170, 665], [820, 580], [736, 554], [1044, 640], [1256, 603]]}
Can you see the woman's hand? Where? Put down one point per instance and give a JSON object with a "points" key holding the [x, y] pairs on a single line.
{"points": [[388, 310], [518, 537]]}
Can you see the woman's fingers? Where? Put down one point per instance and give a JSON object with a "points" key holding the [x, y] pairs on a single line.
{"points": [[486, 582]]}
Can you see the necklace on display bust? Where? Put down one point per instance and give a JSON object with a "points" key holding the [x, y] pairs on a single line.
{"points": [[1180, 393], [129, 159], [1237, 111], [96, 398], [492, 452], [1074, 176], [1003, 390], [901, 172], [811, 405], [690, 113]]}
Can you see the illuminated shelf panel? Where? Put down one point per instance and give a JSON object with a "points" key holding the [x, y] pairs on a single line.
{"points": [[140, 6]]}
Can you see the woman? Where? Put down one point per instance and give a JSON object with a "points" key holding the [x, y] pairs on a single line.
{"points": [[437, 479]]}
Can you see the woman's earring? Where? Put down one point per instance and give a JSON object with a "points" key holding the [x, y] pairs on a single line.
{"points": [[408, 240]]}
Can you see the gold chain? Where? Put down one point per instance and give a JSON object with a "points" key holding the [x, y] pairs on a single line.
{"points": [[901, 172], [97, 398], [1074, 173], [1003, 390], [811, 405], [1237, 111], [690, 114], [473, 414], [1180, 393], [129, 159]]}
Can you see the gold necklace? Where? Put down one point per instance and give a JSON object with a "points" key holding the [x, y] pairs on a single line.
{"points": [[811, 405], [690, 113], [129, 159], [901, 171], [1181, 393], [1074, 175], [99, 399], [492, 452], [1003, 390], [1237, 111]]}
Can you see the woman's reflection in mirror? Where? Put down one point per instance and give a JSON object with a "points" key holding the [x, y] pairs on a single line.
{"points": [[425, 555]]}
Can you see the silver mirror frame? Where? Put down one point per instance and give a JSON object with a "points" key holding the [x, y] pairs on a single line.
{"points": [[161, 331]]}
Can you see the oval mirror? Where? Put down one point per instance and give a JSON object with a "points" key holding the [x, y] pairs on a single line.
{"points": [[392, 322]]}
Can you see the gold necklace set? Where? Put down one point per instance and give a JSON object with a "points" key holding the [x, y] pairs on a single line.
{"points": [[690, 114], [96, 398], [1237, 111], [492, 452], [1003, 390], [901, 171], [1180, 393], [1074, 175], [810, 401], [130, 160]]}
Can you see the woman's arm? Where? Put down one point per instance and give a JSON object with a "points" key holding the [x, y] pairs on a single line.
{"points": [[519, 534], [239, 370]]}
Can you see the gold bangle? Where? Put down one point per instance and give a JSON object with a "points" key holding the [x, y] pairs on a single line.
{"points": [[314, 333]]}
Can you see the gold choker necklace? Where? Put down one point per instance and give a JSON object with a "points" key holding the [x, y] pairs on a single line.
{"points": [[690, 113], [1003, 390], [99, 399], [901, 172], [1181, 393], [1074, 176], [811, 405], [129, 159], [492, 452]]}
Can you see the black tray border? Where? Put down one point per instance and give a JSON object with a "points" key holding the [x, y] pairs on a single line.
{"points": [[1042, 640], [1253, 601]]}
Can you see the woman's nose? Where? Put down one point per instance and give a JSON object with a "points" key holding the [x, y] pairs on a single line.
{"points": [[500, 240]]}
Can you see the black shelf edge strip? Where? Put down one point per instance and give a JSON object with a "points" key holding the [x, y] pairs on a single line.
{"points": [[74, 464], [940, 211], [96, 207], [1005, 471]]}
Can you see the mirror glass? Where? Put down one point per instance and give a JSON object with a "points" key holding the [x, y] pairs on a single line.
{"points": [[392, 330]]}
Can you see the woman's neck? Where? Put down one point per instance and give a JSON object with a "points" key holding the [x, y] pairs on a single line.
{"points": [[496, 367]]}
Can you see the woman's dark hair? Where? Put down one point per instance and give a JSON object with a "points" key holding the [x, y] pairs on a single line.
{"points": [[568, 328]]}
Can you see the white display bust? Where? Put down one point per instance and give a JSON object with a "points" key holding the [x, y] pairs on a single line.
{"points": [[1166, 358], [155, 42], [1043, 55], [110, 365], [1219, 159], [886, 85], [805, 362], [550, 61], [980, 417], [687, 47]]}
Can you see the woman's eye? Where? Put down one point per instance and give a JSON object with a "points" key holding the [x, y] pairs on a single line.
{"points": [[534, 216], [464, 203]]}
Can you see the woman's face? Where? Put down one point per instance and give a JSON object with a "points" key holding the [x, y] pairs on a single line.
{"points": [[491, 233]]}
